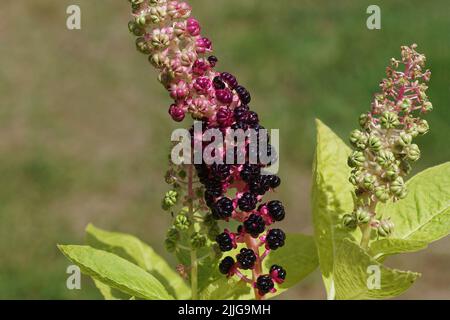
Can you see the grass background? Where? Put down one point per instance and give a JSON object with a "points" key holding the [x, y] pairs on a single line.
{"points": [[84, 130]]}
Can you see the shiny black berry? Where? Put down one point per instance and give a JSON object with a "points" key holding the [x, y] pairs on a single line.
{"points": [[278, 271], [218, 83], [276, 210], [229, 79], [213, 61], [226, 265], [264, 284], [274, 181], [246, 259], [252, 118], [260, 186], [223, 208], [240, 113], [243, 94], [225, 241], [222, 171], [275, 239], [247, 202], [250, 172], [254, 225]]}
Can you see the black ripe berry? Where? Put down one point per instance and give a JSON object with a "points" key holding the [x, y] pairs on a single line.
{"points": [[247, 202], [218, 83], [250, 172], [229, 79], [276, 210], [243, 94], [223, 208], [260, 186], [277, 271], [274, 181], [246, 259], [275, 239], [225, 241], [240, 113], [252, 119], [254, 225], [264, 284], [221, 171], [213, 61], [226, 265]]}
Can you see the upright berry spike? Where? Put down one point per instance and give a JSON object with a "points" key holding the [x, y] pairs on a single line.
{"points": [[176, 47]]}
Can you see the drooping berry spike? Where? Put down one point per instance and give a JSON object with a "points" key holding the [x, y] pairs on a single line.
{"points": [[173, 42], [383, 147]]}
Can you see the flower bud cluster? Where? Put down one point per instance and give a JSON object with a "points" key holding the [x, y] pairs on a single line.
{"points": [[383, 147]]}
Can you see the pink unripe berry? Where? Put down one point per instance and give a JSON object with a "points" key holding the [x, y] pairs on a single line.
{"points": [[193, 27], [203, 45], [176, 113], [200, 66], [224, 95], [179, 90], [224, 117], [202, 85]]}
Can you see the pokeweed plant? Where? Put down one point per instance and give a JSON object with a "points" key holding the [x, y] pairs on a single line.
{"points": [[260, 261], [362, 208]]}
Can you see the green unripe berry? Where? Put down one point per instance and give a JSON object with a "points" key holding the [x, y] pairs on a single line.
{"points": [[355, 177], [358, 139], [398, 188], [198, 240], [356, 159], [349, 221], [369, 182], [404, 139], [182, 222], [392, 172], [428, 106], [382, 193], [170, 245], [389, 120], [374, 143], [423, 127], [142, 46], [170, 199], [405, 167], [364, 120], [135, 29], [173, 234], [412, 152], [385, 228], [385, 158], [362, 215], [405, 104]]}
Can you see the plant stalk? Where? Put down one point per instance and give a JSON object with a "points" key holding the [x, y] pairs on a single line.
{"points": [[194, 262], [252, 244]]}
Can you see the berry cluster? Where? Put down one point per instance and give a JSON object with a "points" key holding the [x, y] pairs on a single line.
{"points": [[174, 45], [383, 147]]}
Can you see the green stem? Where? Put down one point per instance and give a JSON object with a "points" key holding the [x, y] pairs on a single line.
{"points": [[366, 231], [194, 275], [367, 228], [194, 263]]}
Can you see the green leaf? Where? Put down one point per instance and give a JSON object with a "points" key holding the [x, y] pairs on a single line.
{"points": [[227, 288], [136, 251], [115, 272], [331, 197], [298, 257], [424, 215], [387, 247], [107, 292], [354, 271]]}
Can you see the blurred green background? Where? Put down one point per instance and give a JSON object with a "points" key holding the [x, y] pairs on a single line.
{"points": [[84, 130]]}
